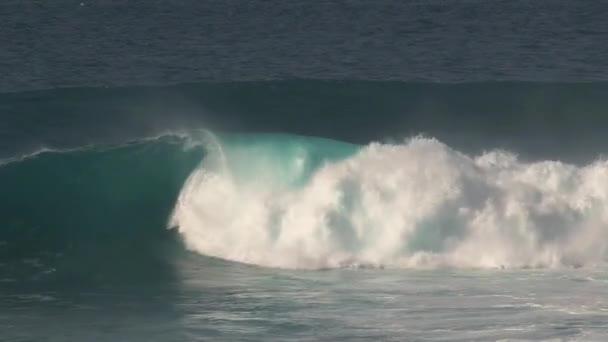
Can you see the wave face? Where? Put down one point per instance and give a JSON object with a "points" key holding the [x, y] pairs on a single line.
{"points": [[91, 210], [296, 202]]}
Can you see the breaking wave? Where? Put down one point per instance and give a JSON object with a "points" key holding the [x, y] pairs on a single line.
{"points": [[290, 201]]}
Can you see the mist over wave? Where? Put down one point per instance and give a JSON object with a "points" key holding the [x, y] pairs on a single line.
{"points": [[538, 120], [297, 202]]}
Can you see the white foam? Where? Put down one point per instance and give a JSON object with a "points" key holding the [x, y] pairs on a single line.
{"points": [[418, 204]]}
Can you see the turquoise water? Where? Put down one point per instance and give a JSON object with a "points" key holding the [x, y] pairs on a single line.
{"points": [[278, 159]]}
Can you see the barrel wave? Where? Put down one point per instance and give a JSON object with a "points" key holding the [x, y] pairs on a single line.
{"points": [[507, 175], [288, 201]]}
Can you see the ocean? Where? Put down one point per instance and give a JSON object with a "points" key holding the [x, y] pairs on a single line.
{"points": [[303, 171]]}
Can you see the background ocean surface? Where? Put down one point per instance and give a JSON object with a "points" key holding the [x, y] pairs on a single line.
{"points": [[282, 170]]}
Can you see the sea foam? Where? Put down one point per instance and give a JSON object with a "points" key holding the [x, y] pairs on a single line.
{"points": [[294, 202]]}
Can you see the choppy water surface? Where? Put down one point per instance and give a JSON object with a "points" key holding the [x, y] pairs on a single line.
{"points": [[215, 300]]}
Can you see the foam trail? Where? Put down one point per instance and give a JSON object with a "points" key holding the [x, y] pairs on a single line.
{"points": [[291, 202]]}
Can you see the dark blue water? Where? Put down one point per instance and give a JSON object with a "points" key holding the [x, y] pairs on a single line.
{"points": [[105, 43], [478, 214]]}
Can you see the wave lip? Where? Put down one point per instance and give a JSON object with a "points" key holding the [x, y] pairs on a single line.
{"points": [[419, 204]]}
